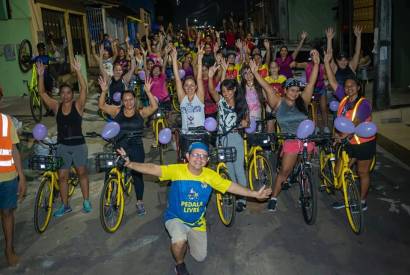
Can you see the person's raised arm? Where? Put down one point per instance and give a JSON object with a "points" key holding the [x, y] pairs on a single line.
{"points": [[272, 97], [218, 38], [330, 33], [114, 49], [103, 72], [112, 110], [224, 65], [80, 103], [308, 92], [266, 44], [355, 60], [329, 72], [50, 102], [302, 39], [147, 40], [128, 75], [212, 91], [200, 92], [178, 82], [143, 168], [153, 103]]}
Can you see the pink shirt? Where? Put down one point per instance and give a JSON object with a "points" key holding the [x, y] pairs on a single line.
{"points": [[159, 88], [320, 82], [254, 105]]}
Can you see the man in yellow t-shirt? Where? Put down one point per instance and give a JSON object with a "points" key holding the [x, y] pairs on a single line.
{"points": [[12, 183], [190, 191]]}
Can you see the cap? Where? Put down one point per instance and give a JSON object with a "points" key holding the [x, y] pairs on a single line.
{"points": [[292, 82], [198, 145]]}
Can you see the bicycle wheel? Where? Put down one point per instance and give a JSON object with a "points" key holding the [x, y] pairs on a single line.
{"points": [[43, 205], [326, 173], [73, 181], [36, 106], [261, 174], [225, 203], [308, 198], [111, 205], [353, 203]]}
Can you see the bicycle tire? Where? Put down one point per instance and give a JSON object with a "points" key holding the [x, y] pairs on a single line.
{"points": [[36, 108], [264, 171], [43, 205], [73, 181], [24, 58], [353, 203], [226, 203], [326, 173], [111, 203], [308, 196]]}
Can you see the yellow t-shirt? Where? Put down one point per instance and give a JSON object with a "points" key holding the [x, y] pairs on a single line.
{"points": [[189, 194], [14, 139], [280, 80]]}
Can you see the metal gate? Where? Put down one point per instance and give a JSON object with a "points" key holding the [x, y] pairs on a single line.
{"points": [[95, 22], [77, 34]]}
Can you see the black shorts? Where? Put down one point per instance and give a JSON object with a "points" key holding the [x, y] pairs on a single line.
{"points": [[364, 151]]}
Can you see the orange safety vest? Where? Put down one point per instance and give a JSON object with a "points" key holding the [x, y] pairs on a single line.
{"points": [[6, 146], [351, 114]]}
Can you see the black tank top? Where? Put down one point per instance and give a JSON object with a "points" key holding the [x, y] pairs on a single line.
{"points": [[131, 128], [343, 74], [69, 131], [116, 86]]}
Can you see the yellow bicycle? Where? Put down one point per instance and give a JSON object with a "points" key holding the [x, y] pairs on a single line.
{"points": [[159, 122], [343, 179], [173, 95], [225, 203], [36, 105], [257, 164], [49, 188]]}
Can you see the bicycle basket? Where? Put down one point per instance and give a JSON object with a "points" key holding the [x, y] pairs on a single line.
{"points": [[223, 154], [43, 163], [259, 139], [105, 161]]}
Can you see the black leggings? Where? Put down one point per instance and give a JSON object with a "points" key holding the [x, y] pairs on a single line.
{"points": [[137, 154]]}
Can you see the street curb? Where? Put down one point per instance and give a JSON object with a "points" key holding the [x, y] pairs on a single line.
{"points": [[402, 153]]}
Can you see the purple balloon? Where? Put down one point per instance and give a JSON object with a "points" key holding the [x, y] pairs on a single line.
{"points": [[110, 130], [366, 129], [141, 75], [305, 129], [334, 105], [181, 73], [164, 136], [344, 125], [40, 131], [252, 127], [117, 97], [210, 124]]}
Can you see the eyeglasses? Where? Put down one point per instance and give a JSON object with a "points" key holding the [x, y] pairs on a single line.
{"points": [[201, 156]]}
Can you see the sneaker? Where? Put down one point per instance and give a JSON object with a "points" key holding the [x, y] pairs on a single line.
{"points": [[364, 206], [338, 205], [326, 130], [87, 206], [62, 211], [240, 206], [180, 269], [140, 209], [272, 205]]}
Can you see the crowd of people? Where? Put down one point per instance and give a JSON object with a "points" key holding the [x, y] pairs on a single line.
{"points": [[226, 74]]}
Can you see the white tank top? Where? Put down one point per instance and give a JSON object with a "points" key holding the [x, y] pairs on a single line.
{"points": [[192, 113]]}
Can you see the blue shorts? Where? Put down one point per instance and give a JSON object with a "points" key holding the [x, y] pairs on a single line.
{"points": [[8, 194]]}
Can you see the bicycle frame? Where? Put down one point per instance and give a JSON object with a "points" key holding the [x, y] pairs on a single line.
{"points": [[155, 127], [250, 154], [119, 175]]}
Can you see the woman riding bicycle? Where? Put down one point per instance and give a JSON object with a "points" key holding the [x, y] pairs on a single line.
{"points": [[71, 143], [131, 117], [232, 112], [291, 109], [355, 107]]}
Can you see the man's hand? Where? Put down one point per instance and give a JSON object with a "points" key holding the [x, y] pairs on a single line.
{"points": [[263, 193], [22, 188]]}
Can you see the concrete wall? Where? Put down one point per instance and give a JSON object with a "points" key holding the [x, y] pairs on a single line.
{"points": [[310, 16], [400, 46], [13, 31]]}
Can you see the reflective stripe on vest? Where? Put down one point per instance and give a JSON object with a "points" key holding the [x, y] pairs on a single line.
{"points": [[6, 163], [356, 138], [5, 152], [5, 123]]}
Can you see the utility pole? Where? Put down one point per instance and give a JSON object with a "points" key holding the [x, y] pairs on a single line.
{"points": [[382, 56]]}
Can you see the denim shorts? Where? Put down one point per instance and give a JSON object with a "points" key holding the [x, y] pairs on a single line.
{"points": [[8, 194]]}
